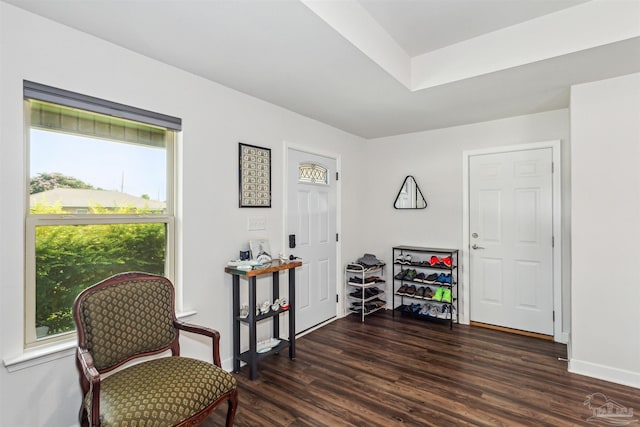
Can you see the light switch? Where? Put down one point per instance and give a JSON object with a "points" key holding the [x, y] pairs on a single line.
{"points": [[257, 223]]}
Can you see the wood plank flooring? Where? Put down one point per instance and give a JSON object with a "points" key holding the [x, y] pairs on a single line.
{"points": [[407, 372]]}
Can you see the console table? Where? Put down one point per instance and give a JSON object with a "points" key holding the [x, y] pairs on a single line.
{"points": [[251, 356]]}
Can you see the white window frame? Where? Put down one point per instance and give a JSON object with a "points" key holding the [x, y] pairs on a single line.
{"points": [[33, 221]]}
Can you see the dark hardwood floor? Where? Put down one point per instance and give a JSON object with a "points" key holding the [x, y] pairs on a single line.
{"points": [[409, 372]]}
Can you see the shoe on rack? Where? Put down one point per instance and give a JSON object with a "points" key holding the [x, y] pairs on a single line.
{"points": [[399, 259], [438, 295], [428, 293], [444, 312], [446, 295], [356, 294], [402, 290], [433, 311], [446, 279], [431, 278], [420, 292], [446, 261], [411, 274], [441, 278], [371, 292], [434, 261], [411, 290], [424, 311], [419, 277], [401, 275]]}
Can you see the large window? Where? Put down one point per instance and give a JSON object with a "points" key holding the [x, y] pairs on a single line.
{"points": [[100, 199]]}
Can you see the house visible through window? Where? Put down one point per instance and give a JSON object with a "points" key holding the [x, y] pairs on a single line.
{"points": [[100, 200]]}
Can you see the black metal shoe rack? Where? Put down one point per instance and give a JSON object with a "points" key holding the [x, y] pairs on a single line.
{"points": [[429, 308]]}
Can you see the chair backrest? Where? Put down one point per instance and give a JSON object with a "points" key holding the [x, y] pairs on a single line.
{"points": [[126, 316]]}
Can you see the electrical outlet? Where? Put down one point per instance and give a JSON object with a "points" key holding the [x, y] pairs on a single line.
{"points": [[257, 223]]}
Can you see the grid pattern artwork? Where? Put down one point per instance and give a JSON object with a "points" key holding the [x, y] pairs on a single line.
{"points": [[255, 176]]}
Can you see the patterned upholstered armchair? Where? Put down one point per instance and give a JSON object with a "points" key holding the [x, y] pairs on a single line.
{"points": [[128, 316]]}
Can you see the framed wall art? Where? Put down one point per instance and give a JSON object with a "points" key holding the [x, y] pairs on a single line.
{"points": [[255, 176]]}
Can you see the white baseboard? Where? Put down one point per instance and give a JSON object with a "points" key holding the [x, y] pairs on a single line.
{"points": [[607, 373], [227, 364]]}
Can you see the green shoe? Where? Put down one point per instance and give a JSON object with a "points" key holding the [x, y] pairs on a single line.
{"points": [[438, 294], [446, 295], [411, 274]]}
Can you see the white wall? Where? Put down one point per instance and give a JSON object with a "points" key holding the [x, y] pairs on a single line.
{"points": [[605, 127], [213, 228], [434, 158]]}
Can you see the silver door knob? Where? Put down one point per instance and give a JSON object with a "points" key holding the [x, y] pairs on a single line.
{"points": [[476, 247]]}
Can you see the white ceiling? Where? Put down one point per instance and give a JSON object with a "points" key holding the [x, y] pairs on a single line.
{"points": [[422, 26], [326, 68]]}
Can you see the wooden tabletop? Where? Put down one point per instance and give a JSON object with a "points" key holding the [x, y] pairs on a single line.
{"points": [[275, 265]]}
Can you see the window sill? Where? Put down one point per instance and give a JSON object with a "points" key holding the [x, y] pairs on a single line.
{"points": [[47, 353]]}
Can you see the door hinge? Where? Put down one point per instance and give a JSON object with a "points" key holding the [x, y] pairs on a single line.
{"points": [[553, 241], [337, 237], [554, 315], [336, 176], [337, 298], [553, 167]]}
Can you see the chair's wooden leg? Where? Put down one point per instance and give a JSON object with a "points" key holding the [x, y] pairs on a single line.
{"points": [[83, 416], [233, 405]]}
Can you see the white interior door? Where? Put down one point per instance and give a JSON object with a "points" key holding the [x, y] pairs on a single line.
{"points": [[311, 217], [511, 232]]}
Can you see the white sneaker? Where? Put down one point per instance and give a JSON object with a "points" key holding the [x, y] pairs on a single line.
{"points": [[400, 259], [444, 312]]}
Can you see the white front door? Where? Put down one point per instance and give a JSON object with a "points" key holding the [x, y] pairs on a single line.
{"points": [[311, 218], [510, 234]]}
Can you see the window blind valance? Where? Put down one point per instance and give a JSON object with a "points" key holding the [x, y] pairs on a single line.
{"points": [[58, 118], [49, 94]]}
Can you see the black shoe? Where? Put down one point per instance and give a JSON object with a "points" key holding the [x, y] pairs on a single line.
{"points": [[356, 294], [401, 275], [431, 278]]}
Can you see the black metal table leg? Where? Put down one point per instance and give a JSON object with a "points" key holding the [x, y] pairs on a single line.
{"points": [[236, 323], [253, 355], [275, 284], [292, 314]]}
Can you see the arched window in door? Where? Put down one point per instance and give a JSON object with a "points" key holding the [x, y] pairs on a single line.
{"points": [[312, 173]]}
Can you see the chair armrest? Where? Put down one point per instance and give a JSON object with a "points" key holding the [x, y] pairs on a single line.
{"points": [[88, 369], [201, 330], [90, 384]]}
